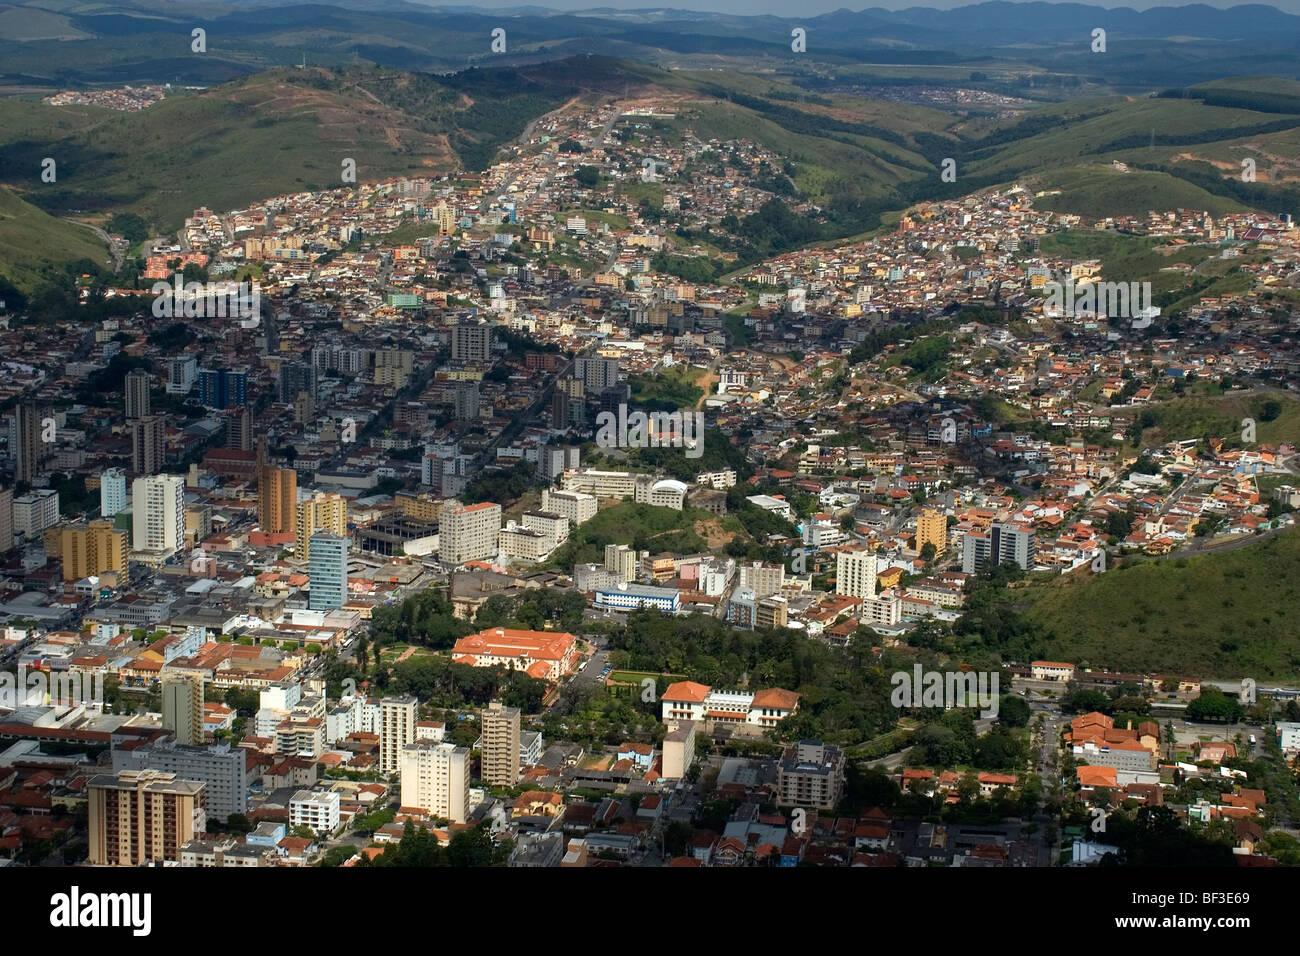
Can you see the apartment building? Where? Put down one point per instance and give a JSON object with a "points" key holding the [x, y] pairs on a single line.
{"points": [[471, 344], [277, 500], [319, 513], [500, 749], [148, 445], [468, 532], [576, 506], [112, 492], [317, 810], [810, 774], [396, 729], [435, 779], [932, 528], [1003, 542], [678, 749], [222, 769], [158, 514], [142, 816], [855, 573], [327, 572], [182, 708], [34, 512], [89, 550], [763, 579]]}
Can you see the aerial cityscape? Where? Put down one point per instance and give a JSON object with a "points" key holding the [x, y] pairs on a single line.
{"points": [[648, 439]]}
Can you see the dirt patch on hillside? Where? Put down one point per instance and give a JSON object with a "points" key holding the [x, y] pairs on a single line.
{"points": [[711, 530]]}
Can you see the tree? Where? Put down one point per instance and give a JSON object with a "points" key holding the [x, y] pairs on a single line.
{"points": [[1013, 711]]}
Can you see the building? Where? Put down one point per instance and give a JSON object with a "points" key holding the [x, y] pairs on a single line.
{"points": [[142, 816], [932, 528], [631, 597], [6, 519], [296, 378], [596, 373], [26, 448], [500, 749], [855, 573], [182, 373], [112, 492], [89, 550], [687, 700], [239, 428], [222, 769], [810, 774], [554, 527], [1003, 542], [678, 749], [762, 579], [471, 344], [158, 514], [318, 810], [319, 513], [621, 562], [1051, 670], [396, 729], [223, 387], [148, 445], [34, 512], [522, 544], [277, 500], [182, 709], [573, 505], [327, 572], [468, 532], [435, 779], [547, 655], [137, 393]]}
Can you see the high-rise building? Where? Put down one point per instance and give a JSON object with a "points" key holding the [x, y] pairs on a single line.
{"points": [[25, 446], [932, 528], [435, 779], [810, 774], [465, 401], [596, 373], [500, 749], [621, 562], [148, 449], [34, 512], [223, 387], [182, 708], [158, 513], [142, 816], [239, 428], [471, 344], [763, 579], [89, 550], [396, 729], [327, 572], [855, 573], [222, 769], [112, 492], [277, 500], [181, 375], [6, 519], [323, 513], [296, 377], [468, 532], [1003, 542], [137, 393]]}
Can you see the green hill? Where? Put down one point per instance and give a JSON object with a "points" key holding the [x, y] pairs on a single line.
{"points": [[1220, 615], [31, 240]]}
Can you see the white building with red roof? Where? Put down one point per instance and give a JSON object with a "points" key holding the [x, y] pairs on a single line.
{"points": [[545, 654], [687, 700]]}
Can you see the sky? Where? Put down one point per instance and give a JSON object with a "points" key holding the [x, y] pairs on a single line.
{"points": [[814, 7]]}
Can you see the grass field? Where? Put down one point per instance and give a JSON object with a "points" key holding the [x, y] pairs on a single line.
{"points": [[657, 529], [1221, 417], [1219, 615]]}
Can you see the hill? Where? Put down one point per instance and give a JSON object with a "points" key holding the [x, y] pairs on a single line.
{"points": [[31, 240], [1220, 615]]}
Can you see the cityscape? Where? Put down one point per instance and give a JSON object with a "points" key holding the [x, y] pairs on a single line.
{"points": [[686, 466]]}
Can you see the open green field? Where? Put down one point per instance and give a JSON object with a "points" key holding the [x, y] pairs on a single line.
{"points": [[1226, 615], [1221, 417], [644, 526]]}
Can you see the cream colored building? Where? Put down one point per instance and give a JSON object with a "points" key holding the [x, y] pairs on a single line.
{"points": [[435, 779], [396, 729], [577, 506], [182, 707], [321, 513], [468, 532], [855, 573], [678, 749], [500, 749]]}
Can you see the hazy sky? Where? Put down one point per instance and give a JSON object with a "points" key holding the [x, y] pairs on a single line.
{"points": [[814, 7]]}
